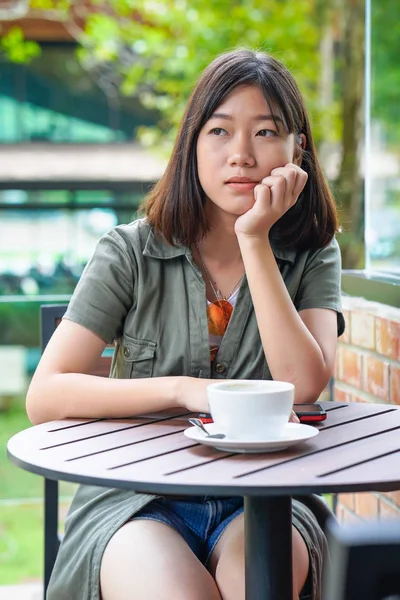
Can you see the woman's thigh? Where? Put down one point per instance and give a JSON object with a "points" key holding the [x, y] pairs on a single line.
{"points": [[227, 562], [147, 559]]}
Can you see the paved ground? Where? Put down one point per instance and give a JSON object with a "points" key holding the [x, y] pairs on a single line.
{"points": [[32, 591]]}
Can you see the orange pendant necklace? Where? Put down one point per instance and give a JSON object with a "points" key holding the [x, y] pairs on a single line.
{"points": [[218, 312]]}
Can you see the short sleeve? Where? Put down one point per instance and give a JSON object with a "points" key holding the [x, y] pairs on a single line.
{"points": [[104, 293], [320, 285]]}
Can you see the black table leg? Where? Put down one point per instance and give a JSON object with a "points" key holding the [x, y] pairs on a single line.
{"points": [[51, 541], [268, 547]]}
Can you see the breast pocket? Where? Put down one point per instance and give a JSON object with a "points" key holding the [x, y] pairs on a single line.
{"points": [[138, 356]]}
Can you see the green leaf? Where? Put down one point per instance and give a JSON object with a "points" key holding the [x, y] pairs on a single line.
{"points": [[16, 48]]}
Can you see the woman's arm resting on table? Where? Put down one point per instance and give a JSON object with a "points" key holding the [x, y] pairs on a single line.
{"points": [[299, 347], [61, 388], [322, 324]]}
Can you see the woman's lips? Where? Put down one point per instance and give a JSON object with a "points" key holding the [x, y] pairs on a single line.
{"points": [[244, 186]]}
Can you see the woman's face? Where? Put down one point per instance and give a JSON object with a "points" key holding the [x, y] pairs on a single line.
{"points": [[239, 146]]}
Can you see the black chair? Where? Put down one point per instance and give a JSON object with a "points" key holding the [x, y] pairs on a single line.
{"points": [[365, 561], [50, 317], [319, 508]]}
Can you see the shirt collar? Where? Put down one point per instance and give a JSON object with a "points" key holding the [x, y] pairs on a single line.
{"points": [[157, 247], [285, 254]]}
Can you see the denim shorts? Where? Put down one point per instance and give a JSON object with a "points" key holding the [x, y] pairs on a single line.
{"points": [[201, 521]]}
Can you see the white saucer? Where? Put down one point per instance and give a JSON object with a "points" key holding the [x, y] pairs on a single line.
{"points": [[293, 433]]}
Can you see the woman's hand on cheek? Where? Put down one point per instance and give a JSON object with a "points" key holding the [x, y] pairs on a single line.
{"points": [[273, 198]]}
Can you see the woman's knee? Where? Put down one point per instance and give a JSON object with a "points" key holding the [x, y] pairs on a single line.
{"points": [[301, 562], [227, 561], [146, 559], [229, 564]]}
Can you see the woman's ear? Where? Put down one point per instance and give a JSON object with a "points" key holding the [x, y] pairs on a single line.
{"points": [[301, 142]]}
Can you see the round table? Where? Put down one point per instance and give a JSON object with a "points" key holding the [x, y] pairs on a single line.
{"points": [[357, 449]]}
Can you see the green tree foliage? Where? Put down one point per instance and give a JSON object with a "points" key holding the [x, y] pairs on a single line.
{"points": [[385, 71], [155, 49], [349, 184], [16, 48], [161, 51]]}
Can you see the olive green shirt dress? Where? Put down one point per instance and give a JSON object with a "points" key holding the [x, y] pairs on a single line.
{"points": [[148, 298]]}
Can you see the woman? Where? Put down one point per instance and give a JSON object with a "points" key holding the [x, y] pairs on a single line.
{"points": [[233, 273]]}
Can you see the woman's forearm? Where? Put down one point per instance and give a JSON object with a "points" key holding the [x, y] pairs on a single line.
{"points": [[74, 395], [290, 349]]}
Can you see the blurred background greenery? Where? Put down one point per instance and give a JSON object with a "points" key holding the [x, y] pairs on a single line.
{"points": [[91, 94]]}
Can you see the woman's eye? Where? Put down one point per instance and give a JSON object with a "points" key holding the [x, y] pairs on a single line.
{"points": [[217, 131], [267, 133]]}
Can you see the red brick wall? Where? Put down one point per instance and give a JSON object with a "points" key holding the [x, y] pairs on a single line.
{"points": [[368, 370]]}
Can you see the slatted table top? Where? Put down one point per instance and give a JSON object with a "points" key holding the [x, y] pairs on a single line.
{"points": [[357, 449]]}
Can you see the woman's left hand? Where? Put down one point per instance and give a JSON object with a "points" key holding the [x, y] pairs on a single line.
{"points": [[293, 418], [273, 198]]}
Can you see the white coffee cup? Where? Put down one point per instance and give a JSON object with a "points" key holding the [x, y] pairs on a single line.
{"points": [[250, 409]]}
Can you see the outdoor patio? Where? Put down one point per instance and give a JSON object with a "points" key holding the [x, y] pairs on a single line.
{"points": [[83, 139]]}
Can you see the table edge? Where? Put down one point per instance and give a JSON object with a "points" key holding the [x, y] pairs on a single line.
{"points": [[202, 489]]}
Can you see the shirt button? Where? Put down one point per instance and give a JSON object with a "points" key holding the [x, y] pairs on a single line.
{"points": [[220, 368], [127, 352]]}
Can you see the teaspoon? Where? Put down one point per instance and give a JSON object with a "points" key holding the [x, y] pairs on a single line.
{"points": [[198, 423]]}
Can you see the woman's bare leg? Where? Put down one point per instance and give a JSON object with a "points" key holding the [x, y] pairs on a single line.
{"points": [[147, 559], [227, 562]]}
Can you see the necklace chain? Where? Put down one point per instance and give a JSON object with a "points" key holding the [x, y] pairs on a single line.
{"points": [[217, 292]]}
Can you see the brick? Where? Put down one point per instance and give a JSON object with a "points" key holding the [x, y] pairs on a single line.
{"points": [[389, 511], [345, 337], [363, 329], [377, 377], [341, 395], [395, 497], [367, 505], [388, 338], [340, 514], [345, 516], [350, 367], [347, 500], [357, 398], [395, 384]]}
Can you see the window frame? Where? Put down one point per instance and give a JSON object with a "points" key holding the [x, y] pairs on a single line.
{"points": [[370, 283]]}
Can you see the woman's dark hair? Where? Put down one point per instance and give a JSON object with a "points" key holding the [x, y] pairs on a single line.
{"points": [[175, 208]]}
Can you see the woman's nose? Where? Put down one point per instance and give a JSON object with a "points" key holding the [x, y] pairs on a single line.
{"points": [[241, 154]]}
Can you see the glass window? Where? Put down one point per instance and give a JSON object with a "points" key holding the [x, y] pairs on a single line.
{"points": [[54, 99], [56, 246], [382, 172], [46, 244]]}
